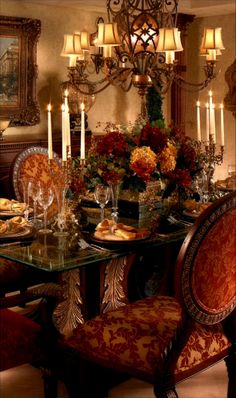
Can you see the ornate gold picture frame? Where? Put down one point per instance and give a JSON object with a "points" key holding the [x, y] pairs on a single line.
{"points": [[18, 70]]}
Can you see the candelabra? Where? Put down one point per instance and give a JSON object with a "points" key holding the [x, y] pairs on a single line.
{"points": [[211, 159]]}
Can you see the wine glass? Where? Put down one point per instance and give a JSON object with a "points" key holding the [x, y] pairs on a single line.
{"points": [[45, 199], [33, 193], [102, 196], [24, 189]]}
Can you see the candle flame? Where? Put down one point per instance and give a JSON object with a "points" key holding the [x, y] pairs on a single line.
{"points": [[66, 93], [198, 103], [210, 93], [82, 106], [63, 108], [49, 107], [221, 106]]}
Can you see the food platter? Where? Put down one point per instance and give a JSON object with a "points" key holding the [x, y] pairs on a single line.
{"points": [[117, 242]]}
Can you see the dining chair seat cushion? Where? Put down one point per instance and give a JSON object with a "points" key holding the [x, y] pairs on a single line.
{"points": [[19, 339], [137, 336]]}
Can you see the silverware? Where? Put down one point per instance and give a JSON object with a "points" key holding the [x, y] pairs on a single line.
{"points": [[173, 220], [84, 245]]}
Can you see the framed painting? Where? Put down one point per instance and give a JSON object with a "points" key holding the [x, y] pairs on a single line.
{"points": [[19, 70]]}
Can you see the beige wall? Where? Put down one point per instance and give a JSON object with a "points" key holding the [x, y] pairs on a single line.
{"points": [[111, 105], [218, 85]]}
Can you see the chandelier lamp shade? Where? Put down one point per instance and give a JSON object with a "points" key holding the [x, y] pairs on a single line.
{"points": [[136, 47]]}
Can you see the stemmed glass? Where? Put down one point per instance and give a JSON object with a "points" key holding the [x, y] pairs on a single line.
{"points": [[102, 196], [33, 192], [45, 199], [24, 188]]}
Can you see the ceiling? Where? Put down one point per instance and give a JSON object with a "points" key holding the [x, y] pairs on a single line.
{"points": [[197, 7]]}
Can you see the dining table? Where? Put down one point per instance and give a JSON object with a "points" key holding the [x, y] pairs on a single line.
{"points": [[91, 277]]}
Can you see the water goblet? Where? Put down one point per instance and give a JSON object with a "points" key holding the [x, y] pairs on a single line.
{"points": [[24, 192], [45, 199], [102, 196], [33, 193]]}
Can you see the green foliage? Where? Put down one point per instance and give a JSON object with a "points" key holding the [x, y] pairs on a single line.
{"points": [[154, 105]]}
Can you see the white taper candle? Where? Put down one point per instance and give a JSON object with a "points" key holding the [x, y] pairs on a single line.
{"points": [[82, 138], [50, 151]]}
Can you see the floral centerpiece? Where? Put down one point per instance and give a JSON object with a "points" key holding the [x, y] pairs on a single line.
{"points": [[135, 155]]}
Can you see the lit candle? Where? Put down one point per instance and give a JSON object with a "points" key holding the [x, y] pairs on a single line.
{"points": [[67, 125], [207, 122], [213, 124], [198, 122], [211, 116], [82, 138], [50, 153], [222, 130], [64, 154]]}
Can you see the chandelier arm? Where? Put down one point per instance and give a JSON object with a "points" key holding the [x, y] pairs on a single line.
{"points": [[115, 78], [189, 86], [92, 87]]}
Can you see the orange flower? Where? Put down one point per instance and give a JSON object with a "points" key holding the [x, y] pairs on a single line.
{"points": [[143, 162]]}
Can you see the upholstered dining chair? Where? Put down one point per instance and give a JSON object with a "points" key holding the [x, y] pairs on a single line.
{"points": [[31, 163], [22, 341], [163, 339]]}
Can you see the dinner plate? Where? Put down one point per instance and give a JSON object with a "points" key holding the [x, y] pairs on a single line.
{"points": [[23, 233]]}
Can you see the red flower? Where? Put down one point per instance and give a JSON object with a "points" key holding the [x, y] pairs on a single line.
{"points": [[187, 157], [142, 169], [113, 143], [153, 137], [180, 177]]}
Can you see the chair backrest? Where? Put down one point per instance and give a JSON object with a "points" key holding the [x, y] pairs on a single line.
{"points": [[205, 274], [32, 163]]}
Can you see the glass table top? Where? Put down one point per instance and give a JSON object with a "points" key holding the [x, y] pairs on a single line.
{"points": [[55, 254]]}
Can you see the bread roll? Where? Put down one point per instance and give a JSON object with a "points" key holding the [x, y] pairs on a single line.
{"points": [[17, 206], [125, 234], [5, 204], [106, 236], [3, 227]]}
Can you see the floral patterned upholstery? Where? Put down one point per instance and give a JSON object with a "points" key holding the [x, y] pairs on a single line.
{"points": [[207, 264], [166, 339], [131, 336], [135, 337], [19, 340], [218, 253], [32, 163]]}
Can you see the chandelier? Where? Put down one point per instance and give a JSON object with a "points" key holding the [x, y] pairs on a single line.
{"points": [[136, 47]]}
